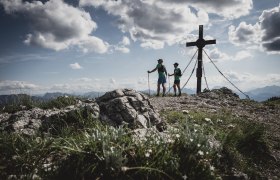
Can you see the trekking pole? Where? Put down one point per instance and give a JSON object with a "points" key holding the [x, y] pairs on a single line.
{"points": [[149, 84]]}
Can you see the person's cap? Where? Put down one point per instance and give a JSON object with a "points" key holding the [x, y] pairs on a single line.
{"points": [[160, 60], [176, 64]]}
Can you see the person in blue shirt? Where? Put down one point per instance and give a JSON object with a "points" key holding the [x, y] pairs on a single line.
{"points": [[162, 73]]}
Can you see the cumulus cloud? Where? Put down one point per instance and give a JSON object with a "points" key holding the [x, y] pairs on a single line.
{"points": [[216, 55], [244, 34], [270, 23], [229, 9], [57, 25], [153, 23], [16, 87], [122, 45], [76, 66], [265, 32]]}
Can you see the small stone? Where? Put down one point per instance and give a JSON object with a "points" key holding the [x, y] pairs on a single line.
{"points": [[208, 120], [185, 112], [231, 126]]}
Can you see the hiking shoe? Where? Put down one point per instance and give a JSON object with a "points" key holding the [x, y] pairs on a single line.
{"points": [[175, 95], [157, 95], [179, 94], [163, 95]]}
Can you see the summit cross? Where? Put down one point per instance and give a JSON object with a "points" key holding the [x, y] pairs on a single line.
{"points": [[200, 43]]}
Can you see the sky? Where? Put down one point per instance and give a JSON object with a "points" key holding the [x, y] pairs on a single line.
{"points": [[78, 46]]}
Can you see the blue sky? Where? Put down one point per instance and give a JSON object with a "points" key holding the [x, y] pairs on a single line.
{"points": [[89, 45]]}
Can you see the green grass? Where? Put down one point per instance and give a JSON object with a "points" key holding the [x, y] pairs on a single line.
{"points": [[101, 151], [82, 148]]}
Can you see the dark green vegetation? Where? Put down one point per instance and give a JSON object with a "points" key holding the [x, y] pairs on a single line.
{"points": [[194, 146]]}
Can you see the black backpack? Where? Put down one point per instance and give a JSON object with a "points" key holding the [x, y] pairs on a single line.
{"points": [[178, 73]]}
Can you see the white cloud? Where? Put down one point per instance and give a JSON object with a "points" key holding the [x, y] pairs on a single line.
{"points": [[122, 45], [230, 9], [216, 55], [243, 55], [57, 25], [93, 44], [270, 22], [265, 32], [244, 34], [17, 87], [153, 23], [76, 66], [125, 41]]}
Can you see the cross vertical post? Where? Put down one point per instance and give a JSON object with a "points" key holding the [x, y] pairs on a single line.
{"points": [[200, 43]]}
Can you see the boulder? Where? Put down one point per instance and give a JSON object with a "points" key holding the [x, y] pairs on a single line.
{"points": [[127, 106]]}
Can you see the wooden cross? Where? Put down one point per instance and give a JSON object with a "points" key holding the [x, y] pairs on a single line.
{"points": [[200, 43]]}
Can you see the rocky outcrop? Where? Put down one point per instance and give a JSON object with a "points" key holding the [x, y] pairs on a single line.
{"points": [[30, 121], [119, 107], [126, 106]]}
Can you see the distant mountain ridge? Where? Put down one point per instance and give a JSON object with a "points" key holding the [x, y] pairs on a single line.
{"points": [[259, 94], [262, 94]]}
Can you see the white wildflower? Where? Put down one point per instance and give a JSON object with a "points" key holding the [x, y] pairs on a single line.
{"points": [[207, 119], [185, 111], [185, 177], [150, 151], [196, 125], [230, 126], [191, 140], [147, 154], [212, 168], [201, 153], [112, 149], [198, 145], [177, 135]]}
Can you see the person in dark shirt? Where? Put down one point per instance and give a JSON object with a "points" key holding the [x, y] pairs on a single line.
{"points": [[177, 75]]}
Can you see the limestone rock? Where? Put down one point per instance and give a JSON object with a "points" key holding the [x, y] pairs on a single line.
{"points": [[127, 106], [29, 122]]}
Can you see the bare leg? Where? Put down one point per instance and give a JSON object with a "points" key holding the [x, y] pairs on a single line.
{"points": [[179, 89], [164, 89], [158, 89], [174, 87]]}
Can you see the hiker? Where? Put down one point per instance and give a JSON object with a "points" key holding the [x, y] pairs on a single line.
{"points": [[177, 75], [162, 73]]}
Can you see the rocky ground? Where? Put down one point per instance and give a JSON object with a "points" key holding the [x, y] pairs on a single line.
{"points": [[223, 99]]}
